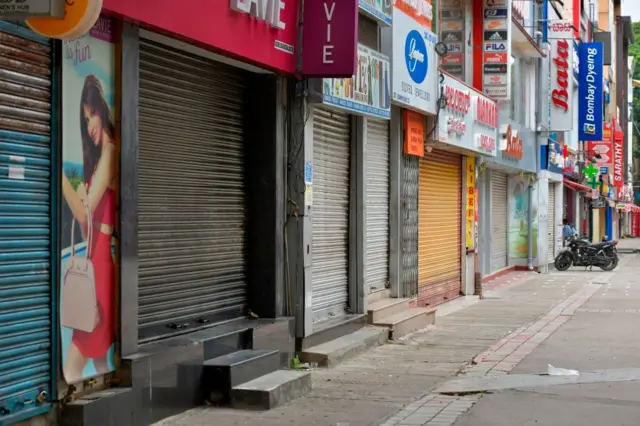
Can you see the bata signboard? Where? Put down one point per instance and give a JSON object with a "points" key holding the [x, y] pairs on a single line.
{"points": [[469, 120], [561, 78]]}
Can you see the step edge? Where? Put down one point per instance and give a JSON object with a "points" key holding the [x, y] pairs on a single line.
{"points": [[375, 332], [407, 315], [266, 353], [385, 303]]}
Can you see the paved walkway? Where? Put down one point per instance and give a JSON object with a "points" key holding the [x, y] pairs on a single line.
{"points": [[394, 384], [629, 244]]}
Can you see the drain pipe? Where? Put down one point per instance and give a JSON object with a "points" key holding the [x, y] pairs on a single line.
{"points": [[532, 180]]}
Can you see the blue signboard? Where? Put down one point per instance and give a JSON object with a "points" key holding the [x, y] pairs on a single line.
{"points": [[590, 91], [576, 61], [556, 160]]}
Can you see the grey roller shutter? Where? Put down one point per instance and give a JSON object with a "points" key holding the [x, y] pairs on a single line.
{"points": [[367, 32], [551, 224], [330, 213], [410, 225], [27, 224], [376, 151], [190, 192], [498, 221]]}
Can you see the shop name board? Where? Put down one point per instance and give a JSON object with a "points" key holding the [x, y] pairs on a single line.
{"points": [[457, 100], [381, 11], [618, 159], [330, 39], [560, 95], [496, 24], [24, 9], [561, 34], [513, 145], [419, 7], [268, 11], [590, 112], [469, 119]]}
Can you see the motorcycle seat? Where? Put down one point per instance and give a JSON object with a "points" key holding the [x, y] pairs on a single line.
{"points": [[599, 245]]}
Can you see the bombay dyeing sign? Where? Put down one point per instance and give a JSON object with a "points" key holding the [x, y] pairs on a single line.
{"points": [[590, 92]]}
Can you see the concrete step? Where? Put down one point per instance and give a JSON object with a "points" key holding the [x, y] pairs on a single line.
{"points": [[408, 321], [385, 308], [336, 351], [221, 374], [271, 390]]}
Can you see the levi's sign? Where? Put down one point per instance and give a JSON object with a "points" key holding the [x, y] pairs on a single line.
{"points": [[263, 10], [330, 39], [590, 92]]}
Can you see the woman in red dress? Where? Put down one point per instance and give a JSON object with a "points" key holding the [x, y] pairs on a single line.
{"points": [[98, 149]]}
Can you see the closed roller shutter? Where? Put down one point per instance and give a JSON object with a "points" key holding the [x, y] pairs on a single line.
{"points": [[410, 225], [330, 213], [551, 224], [439, 274], [26, 246], [367, 32], [376, 268], [190, 191], [498, 221]]}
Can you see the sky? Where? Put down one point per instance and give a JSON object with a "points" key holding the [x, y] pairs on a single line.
{"points": [[631, 8]]}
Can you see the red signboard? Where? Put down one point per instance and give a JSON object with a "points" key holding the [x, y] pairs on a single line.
{"points": [[618, 159], [267, 38]]}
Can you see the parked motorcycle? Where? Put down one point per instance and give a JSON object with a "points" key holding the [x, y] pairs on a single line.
{"points": [[579, 251]]}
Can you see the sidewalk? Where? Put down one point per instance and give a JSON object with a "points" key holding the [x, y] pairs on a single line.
{"points": [[374, 387], [629, 245]]}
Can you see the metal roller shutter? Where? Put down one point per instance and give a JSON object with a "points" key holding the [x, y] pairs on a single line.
{"points": [[190, 192], [439, 274], [376, 267], [551, 224], [27, 224], [330, 213], [410, 225], [367, 32], [498, 220]]}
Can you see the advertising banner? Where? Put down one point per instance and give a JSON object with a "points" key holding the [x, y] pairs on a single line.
{"points": [[330, 38], [618, 159], [469, 119], [365, 93], [414, 64], [555, 162], [603, 148], [452, 19], [380, 10], [89, 210], [561, 40], [496, 70], [590, 89], [518, 210]]}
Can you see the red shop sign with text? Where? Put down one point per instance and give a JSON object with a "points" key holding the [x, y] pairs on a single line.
{"points": [[618, 159], [457, 100], [604, 147], [266, 38], [515, 145]]}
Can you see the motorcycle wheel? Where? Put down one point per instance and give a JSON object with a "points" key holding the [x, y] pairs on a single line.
{"points": [[563, 261], [611, 265]]}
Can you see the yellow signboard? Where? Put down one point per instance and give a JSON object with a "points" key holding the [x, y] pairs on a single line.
{"points": [[470, 200]]}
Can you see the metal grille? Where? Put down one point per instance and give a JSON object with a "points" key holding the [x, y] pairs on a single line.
{"points": [[376, 267], [410, 225], [190, 192], [367, 32], [440, 220], [551, 224], [330, 213], [26, 166], [498, 220]]}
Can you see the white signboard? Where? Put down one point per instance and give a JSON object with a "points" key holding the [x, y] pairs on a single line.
{"points": [[470, 119], [415, 67], [24, 9], [561, 75], [496, 32]]}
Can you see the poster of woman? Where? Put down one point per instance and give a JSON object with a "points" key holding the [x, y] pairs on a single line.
{"points": [[87, 296]]}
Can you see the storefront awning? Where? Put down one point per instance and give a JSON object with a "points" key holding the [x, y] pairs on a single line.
{"points": [[576, 186], [522, 43]]}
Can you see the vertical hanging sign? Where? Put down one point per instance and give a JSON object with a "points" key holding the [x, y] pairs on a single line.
{"points": [[618, 159], [89, 183], [452, 24], [496, 72], [590, 90], [470, 201], [561, 40]]}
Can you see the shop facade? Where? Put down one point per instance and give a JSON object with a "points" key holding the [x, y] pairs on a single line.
{"points": [[346, 156], [448, 193], [506, 194], [29, 223]]}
